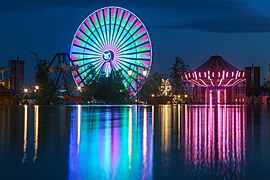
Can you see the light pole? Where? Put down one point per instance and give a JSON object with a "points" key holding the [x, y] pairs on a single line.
{"points": [[186, 98], [25, 90]]}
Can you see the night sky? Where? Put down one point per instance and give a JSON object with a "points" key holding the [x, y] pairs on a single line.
{"points": [[238, 30]]}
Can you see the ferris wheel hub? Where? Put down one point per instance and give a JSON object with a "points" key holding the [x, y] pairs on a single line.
{"points": [[108, 55]]}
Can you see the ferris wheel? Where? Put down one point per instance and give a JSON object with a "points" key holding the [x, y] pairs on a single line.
{"points": [[112, 39]]}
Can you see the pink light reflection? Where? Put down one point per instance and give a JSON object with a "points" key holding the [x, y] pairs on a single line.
{"points": [[215, 139]]}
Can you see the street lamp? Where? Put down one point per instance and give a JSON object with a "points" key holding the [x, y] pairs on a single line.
{"points": [[186, 97], [36, 87], [25, 90]]}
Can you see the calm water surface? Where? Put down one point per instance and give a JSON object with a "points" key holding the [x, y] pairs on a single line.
{"points": [[135, 142]]}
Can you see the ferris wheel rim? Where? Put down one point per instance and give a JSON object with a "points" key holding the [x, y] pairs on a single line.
{"points": [[148, 68]]}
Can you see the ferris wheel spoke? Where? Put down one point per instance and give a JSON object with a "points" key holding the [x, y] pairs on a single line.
{"points": [[95, 73], [84, 69], [133, 53], [83, 48], [119, 29], [98, 29], [131, 64], [127, 42], [99, 37], [91, 69], [114, 25], [123, 29], [105, 27], [91, 64], [140, 46], [126, 33], [133, 29], [135, 59], [86, 54], [114, 12], [101, 29], [85, 59], [124, 45], [106, 19], [93, 38], [109, 25], [86, 42]]}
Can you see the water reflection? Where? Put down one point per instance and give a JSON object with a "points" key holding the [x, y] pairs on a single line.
{"points": [[36, 119], [215, 140], [110, 142], [25, 133], [134, 142]]}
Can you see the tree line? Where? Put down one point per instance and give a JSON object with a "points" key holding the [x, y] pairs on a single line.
{"points": [[110, 89]]}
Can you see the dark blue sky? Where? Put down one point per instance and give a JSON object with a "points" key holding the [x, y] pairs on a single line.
{"points": [[238, 30]]}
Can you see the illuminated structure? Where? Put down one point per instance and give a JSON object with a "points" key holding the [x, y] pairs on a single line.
{"points": [[16, 68], [165, 87], [216, 81], [112, 39]]}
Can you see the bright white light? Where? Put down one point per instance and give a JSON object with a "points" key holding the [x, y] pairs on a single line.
{"points": [[144, 72], [25, 90], [37, 87], [79, 88], [129, 72]]}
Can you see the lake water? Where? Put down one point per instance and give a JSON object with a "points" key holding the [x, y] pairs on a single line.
{"points": [[135, 142]]}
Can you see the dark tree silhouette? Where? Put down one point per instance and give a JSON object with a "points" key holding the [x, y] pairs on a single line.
{"points": [[179, 66], [151, 86], [46, 92], [107, 89]]}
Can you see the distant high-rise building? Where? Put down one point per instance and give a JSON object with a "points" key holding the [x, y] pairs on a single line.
{"points": [[269, 72], [253, 87], [16, 68]]}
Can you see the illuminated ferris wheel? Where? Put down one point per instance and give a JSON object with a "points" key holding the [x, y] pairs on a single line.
{"points": [[112, 39]]}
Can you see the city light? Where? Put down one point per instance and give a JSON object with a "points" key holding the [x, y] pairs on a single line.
{"points": [[79, 88], [37, 87], [25, 90], [129, 72]]}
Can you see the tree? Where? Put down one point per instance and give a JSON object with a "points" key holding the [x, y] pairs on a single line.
{"points": [[266, 86], [107, 89], [151, 86], [46, 92], [176, 70]]}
